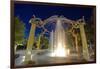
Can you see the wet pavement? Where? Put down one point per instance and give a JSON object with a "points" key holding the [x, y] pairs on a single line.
{"points": [[43, 57]]}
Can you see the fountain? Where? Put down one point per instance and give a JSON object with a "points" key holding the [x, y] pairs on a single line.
{"points": [[58, 41]]}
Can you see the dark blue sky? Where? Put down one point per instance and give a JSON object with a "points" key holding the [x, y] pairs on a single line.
{"points": [[25, 12]]}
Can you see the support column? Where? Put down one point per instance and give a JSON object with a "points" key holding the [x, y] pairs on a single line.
{"points": [[84, 42], [39, 40], [76, 44], [30, 43]]}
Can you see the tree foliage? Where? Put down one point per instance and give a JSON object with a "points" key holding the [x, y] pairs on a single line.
{"points": [[90, 30], [19, 30], [44, 42]]}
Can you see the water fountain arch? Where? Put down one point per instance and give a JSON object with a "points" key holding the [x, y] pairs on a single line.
{"points": [[59, 38]]}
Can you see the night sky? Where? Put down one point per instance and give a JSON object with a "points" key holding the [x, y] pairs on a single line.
{"points": [[25, 12]]}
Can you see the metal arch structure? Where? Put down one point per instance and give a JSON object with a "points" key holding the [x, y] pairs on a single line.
{"points": [[79, 24], [75, 24], [62, 18]]}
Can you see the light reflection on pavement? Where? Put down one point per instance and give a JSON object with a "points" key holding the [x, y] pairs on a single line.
{"points": [[43, 58]]}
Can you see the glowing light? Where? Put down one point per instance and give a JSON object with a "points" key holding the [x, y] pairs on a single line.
{"points": [[23, 58], [31, 57], [58, 41], [29, 52], [68, 51], [60, 51]]}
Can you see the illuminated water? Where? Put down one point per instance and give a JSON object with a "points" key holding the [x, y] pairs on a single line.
{"points": [[58, 41]]}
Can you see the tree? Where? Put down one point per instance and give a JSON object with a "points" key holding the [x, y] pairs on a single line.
{"points": [[44, 42], [19, 31], [89, 30]]}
